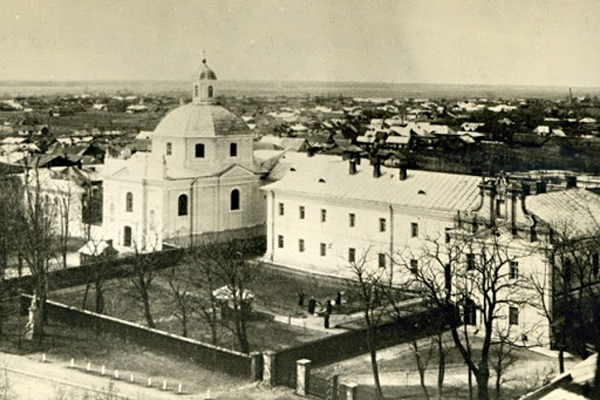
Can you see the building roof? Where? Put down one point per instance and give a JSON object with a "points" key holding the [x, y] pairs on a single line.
{"points": [[207, 73], [574, 212], [327, 176], [201, 120]]}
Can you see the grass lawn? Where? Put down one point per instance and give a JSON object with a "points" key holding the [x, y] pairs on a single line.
{"points": [[264, 333]]}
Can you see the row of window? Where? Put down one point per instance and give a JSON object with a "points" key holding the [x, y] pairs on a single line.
{"points": [[381, 257], [414, 227], [182, 202], [199, 150]]}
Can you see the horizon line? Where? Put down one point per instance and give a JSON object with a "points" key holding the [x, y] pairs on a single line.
{"points": [[181, 81]]}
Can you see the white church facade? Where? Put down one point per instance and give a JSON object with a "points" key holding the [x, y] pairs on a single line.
{"points": [[199, 178]]}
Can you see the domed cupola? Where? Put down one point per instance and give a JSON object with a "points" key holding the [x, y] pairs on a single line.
{"points": [[205, 85], [206, 72]]}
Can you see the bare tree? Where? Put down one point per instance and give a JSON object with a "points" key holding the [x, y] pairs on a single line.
{"points": [[180, 281], [422, 358], [37, 242], [472, 269], [101, 263], [11, 204], [370, 285], [204, 282], [144, 268], [227, 261]]}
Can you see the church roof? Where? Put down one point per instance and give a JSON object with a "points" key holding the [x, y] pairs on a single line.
{"points": [[207, 73], [201, 120]]}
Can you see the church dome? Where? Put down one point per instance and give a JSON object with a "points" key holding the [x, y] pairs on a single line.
{"points": [[201, 120], [206, 73]]}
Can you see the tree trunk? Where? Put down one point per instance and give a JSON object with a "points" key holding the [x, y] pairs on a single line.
{"points": [[561, 359], [85, 295], [147, 313], [441, 367], [99, 299], [374, 366], [482, 378]]}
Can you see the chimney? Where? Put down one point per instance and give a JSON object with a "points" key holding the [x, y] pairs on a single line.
{"points": [[376, 169], [403, 172], [571, 181], [540, 187], [352, 166]]}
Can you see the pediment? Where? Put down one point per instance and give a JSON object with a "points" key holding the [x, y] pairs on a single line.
{"points": [[236, 171]]}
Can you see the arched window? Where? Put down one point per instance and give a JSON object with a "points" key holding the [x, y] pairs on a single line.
{"points": [[235, 199], [210, 92], [182, 205], [233, 149], [199, 150], [169, 148], [129, 202], [196, 91]]}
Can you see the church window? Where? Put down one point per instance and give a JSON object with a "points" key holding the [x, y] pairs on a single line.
{"points": [[233, 149], [169, 148], [235, 200], [210, 92], [182, 205], [127, 236], [199, 150], [129, 202]]}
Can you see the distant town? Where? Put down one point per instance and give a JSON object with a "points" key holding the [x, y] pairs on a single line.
{"points": [[293, 240]]}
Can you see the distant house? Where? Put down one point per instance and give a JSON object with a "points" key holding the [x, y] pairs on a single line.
{"points": [[100, 107], [471, 126], [136, 108], [398, 142], [295, 144], [542, 130]]}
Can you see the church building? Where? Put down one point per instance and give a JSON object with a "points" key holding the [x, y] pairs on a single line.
{"points": [[200, 178]]}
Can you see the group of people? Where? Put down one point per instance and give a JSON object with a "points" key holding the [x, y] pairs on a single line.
{"points": [[328, 304]]}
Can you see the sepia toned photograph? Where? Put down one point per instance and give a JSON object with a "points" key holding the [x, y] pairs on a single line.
{"points": [[288, 199]]}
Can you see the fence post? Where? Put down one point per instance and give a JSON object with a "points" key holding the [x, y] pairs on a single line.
{"points": [[334, 387], [302, 376], [256, 366], [351, 391], [269, 368]]}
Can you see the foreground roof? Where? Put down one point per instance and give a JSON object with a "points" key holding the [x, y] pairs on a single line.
{"points": [[328, 176]]}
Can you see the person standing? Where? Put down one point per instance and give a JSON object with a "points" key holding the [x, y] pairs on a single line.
{"points": [[312, 303], [326, 320], [301, 298], [328, 307]]}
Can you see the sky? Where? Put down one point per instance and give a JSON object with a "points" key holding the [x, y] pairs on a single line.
{"points": [[534, 42]]}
